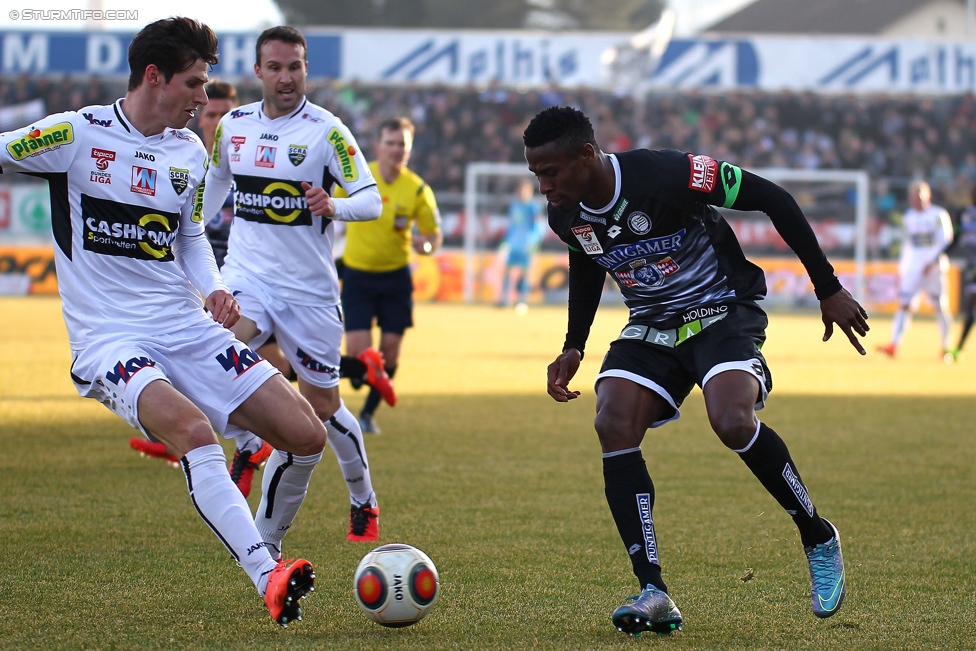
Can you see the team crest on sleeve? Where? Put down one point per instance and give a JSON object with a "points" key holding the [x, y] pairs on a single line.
{"points": [[587, 238], [703, 172]]}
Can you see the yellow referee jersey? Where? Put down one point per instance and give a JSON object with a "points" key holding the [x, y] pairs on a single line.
{"points": [[384, 244]]}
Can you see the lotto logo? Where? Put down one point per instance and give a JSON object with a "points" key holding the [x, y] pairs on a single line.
{"points": [[143, 180], [703, 171]]}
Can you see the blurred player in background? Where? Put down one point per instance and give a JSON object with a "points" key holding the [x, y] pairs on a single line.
{"points": [[282, 155], [922, 267], [522, 238], [965, 242], [646, 218], [132, 263], [376, 281]]}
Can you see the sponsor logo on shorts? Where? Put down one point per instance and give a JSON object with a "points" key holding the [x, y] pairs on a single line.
{"points": [[41, 141], [124, 371], [587, 238], [798, 489], [647, 526], [703, 172], [313, 364], [704, 312], [639, 223], [238, 361]]}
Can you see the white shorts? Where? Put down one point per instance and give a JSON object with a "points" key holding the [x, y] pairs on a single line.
{"points": [[915, 278], [310, 336], [203, 361]]}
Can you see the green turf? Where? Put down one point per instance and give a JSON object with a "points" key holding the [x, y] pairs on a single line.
{"points": [[100, 549]]}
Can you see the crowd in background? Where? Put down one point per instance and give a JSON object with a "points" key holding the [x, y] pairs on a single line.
{"points": [[894, 137]]}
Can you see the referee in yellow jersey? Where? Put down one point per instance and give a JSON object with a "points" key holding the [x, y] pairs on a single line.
{"points": [[376, 282]]}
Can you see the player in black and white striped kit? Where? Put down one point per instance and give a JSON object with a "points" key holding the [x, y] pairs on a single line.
{"points": [[646, 219]]}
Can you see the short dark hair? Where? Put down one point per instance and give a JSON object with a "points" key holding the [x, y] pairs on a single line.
{"points": [[567, 127], [172, 45], [396, 124], [221, 90], [285, 33]]}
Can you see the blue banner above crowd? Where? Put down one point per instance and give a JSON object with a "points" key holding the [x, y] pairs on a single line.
{"points": [[539, 59]]}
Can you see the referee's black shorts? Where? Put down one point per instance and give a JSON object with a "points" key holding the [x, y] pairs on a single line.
{"points": [[386, 296]]}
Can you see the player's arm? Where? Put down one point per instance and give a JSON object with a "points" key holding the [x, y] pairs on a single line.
{"points": [[429, 236], [943, 235], [195, 257], [219, 178], [585, 289], [47, 146], [348, 166], [743, 190]]}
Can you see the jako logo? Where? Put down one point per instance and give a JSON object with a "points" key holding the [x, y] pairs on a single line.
{"points": [[239, 362], [122, 373], [268, 136], [143, 156], [93, 120]]}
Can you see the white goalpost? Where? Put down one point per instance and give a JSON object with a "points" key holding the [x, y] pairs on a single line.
{"points": [[835, 201]]}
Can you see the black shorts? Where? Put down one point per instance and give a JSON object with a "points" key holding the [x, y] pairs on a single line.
{"points": [[386, 296], [672, 370]]}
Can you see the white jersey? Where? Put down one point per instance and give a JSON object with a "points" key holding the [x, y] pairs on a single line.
{"points": [[118, 201], [275, 238], [927, 233]]}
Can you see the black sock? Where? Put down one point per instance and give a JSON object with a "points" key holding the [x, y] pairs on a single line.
{"points": [[374, 398], [353, 369], [630, 494], [769, 460]]}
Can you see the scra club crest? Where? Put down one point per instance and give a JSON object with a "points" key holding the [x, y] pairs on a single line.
{"points": [[297, 154]]}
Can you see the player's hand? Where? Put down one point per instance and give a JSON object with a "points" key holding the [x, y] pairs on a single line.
{"points": [[319, 201], [422, 245], [561, 371], [224, 307], [847, 313]]}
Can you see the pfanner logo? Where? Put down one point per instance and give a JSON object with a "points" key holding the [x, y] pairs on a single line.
{"points": [[124, 371], [41, 141], [345, 154], [238, 361], [647, 526]]}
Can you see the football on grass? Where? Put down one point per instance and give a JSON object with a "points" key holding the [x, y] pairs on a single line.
{"points": [[396, 585]]}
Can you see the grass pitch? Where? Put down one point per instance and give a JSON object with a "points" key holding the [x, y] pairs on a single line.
{"points": [[502, 487]]}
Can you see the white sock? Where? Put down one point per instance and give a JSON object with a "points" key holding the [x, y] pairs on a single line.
{"points": [[283, 487], [226, 512], [898, 325], [944, 320], [346, 440], [243, 439]]}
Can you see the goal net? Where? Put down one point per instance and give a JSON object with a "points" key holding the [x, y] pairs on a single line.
{"points": [[836, 202]]}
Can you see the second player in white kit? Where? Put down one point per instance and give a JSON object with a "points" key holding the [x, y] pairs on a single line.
{"points": [[282, 156]]}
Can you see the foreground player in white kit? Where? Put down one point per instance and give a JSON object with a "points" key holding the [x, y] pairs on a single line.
{"points": [[282, 155], [927, 233], [132, 263]]}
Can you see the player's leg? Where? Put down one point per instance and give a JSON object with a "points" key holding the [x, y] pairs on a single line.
{"points": [[362, 363], [969, 310], [639, 386], [394, 314], [172, 419], [737, 383], [936, 285], [909, 284]]}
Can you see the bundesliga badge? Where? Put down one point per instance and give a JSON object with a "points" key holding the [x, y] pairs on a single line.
{"points": [[587, 238]]}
